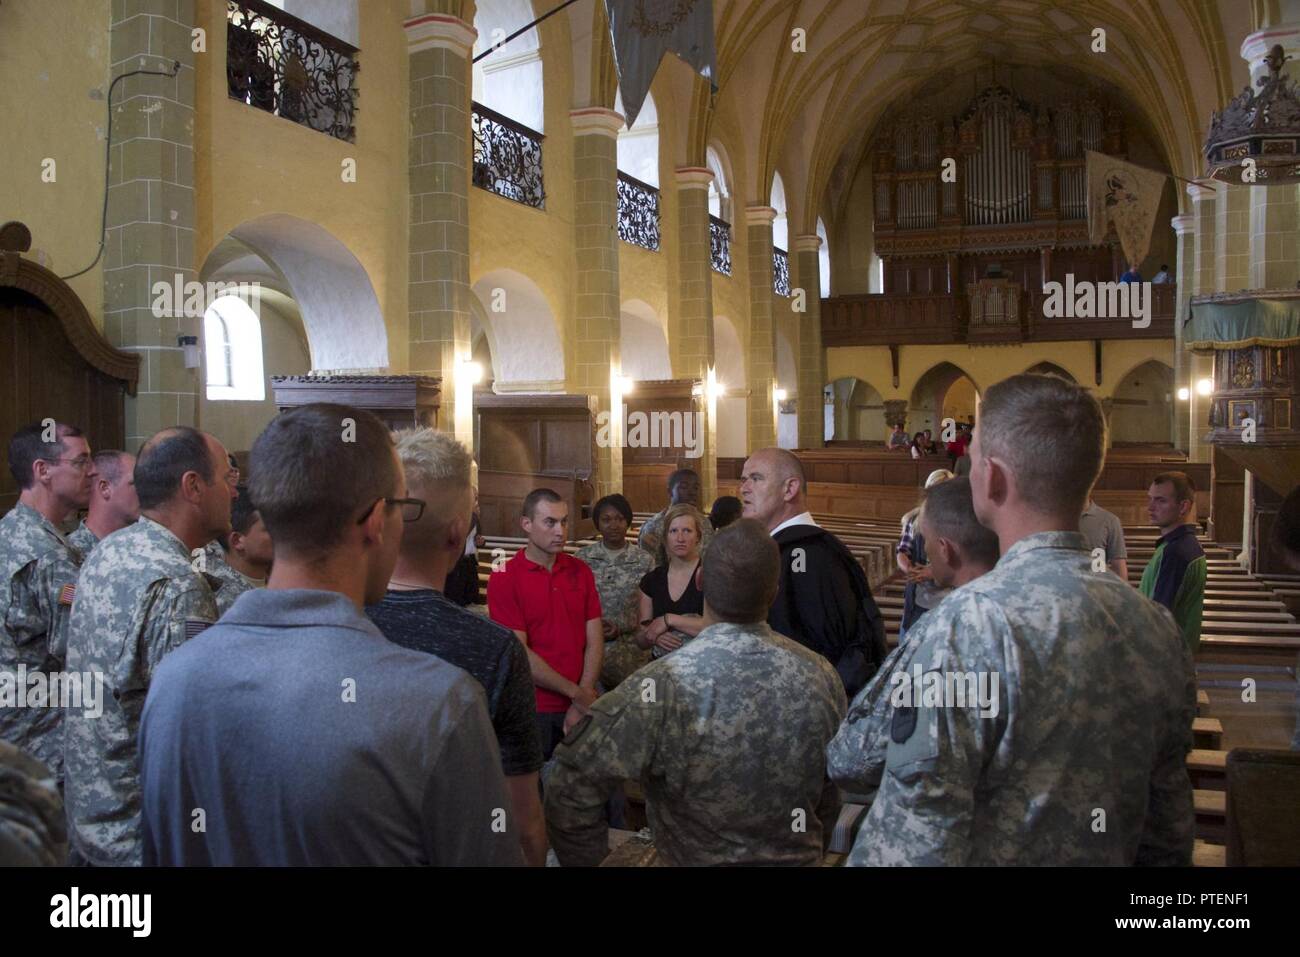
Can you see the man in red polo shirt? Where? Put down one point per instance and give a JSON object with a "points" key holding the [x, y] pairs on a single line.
{"points": [[548, 599]]}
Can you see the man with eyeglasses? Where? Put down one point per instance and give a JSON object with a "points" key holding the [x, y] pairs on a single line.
{"points": [[141, 595], [38, 574], [303, 734]]}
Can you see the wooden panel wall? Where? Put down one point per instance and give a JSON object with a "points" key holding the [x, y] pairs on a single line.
{"points": [[43, 376], [501, 496], [535, 434]]}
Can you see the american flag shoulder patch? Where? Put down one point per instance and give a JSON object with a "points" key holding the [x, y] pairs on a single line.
{"points": [[67, 593], [195, 627]]}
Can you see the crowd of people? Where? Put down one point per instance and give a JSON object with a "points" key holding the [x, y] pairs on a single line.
{"points": [[286, 678]]}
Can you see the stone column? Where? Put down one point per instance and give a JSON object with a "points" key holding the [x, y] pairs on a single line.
{"points": [[811, 357], [1184, 229], [1274, 210], [438, 308], [596, 309], [1231, 237], [150, 234], [691, 335], [1204, 204], [762, 341]]}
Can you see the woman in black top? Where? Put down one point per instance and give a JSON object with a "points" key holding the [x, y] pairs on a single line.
{"points": [[672, 605]]}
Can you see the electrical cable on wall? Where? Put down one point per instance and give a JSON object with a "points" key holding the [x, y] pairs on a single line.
{"points": [[108, 157]]}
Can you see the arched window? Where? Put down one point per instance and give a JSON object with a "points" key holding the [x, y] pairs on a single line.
{"points": [[232, 337], [780, 227], [824, 258], [510, 80], [720, 188], [638, 147]]}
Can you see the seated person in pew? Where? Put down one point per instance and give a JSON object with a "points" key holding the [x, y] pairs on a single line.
{"points": [[823, 601], [417, 613], [683, 489], [672, 604], [899, 441], [618, 568], [549, 600], [726, 782], [1103, 530], [1286, 541], [1037, 694], [1175, 576]]}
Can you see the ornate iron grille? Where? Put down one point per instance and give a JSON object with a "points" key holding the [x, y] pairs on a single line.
{"points": [[720, 245], [280, 64], [780, 271], [638, 212], [507, 158]]}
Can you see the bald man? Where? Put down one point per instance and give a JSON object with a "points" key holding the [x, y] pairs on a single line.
{"points": [[138, 598], [823, 601]]}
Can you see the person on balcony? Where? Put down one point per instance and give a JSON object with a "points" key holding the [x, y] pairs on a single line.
{"points": [[1162, 276], [1132, 275]]}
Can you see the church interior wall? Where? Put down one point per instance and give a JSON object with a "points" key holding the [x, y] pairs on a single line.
{"points": [[985, 365], [284, 352], [249, 163], [53, 108]]}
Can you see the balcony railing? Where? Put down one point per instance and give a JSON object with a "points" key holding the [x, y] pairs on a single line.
{"points": [[638, 212], [780, 271], [507, 157], [943, 318], [720, 245], [278, 63]]}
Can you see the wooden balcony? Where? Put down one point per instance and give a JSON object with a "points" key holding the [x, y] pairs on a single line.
{"points": [[876, 320], [941, 318]]}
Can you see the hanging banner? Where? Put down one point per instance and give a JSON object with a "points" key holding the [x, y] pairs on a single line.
{"points": [[1127, 196], [642, 31]]}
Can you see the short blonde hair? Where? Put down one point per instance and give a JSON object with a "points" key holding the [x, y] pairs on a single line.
{"points": [[432, 458]]}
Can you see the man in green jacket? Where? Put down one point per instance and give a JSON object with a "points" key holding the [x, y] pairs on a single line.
{"points": [[1175, 576]]}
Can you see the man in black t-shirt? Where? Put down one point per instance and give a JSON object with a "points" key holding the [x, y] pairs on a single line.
{"points": [[415, 614]]}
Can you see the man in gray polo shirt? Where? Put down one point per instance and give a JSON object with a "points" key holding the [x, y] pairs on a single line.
{"points": [[293, 732], [1102, 529]]}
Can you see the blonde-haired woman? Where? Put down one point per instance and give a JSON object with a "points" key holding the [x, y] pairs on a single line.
{"points": [[672, 605]]}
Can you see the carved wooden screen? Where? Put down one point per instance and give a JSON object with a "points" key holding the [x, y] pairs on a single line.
{"points": [[44, 375]]}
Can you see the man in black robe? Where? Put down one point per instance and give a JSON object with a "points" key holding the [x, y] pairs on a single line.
{"points": [[823, 600]]}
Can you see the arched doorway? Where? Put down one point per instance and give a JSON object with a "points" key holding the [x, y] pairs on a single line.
{"points": [[522, 335], [855, 412], [943, 392], [1141, 408], [296, 300], [57, 363], [1051, 368], [643, 343]]}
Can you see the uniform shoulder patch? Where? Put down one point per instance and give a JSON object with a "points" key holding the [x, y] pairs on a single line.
{"points": [[903, 725], [68, 593], [195, 627]]}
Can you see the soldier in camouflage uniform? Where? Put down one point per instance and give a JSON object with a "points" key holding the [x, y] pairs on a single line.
{"points": [[32, 828], [618, 568], [726, 735], [139, 597], [683, 489], [113, 502], [38, 576], [1081, 757], [241, 559]]}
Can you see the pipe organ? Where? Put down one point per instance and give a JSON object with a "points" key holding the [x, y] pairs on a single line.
{"points": [[1019, 192], [1017, 162]]}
